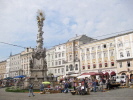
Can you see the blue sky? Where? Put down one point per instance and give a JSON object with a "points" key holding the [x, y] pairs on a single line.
{"points": [[64, 19]]}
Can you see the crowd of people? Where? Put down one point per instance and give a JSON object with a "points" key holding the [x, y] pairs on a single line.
{"points": [[81, 85]]}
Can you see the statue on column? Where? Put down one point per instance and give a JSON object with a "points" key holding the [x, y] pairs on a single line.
{"points": [[38, 64]]}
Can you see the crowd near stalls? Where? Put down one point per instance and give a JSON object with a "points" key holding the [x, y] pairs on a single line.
{"points": [[15, 81], [81, 84], [91, 81]]}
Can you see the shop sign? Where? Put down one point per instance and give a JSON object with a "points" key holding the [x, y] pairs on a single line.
{"points": [[104, 71]]}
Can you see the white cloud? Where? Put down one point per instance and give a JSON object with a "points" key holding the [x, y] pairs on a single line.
{"points": [[64, 19]]}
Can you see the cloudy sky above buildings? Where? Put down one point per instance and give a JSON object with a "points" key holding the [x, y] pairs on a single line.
{"points": [[64, 19]]}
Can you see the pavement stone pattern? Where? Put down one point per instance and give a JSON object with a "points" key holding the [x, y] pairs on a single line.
{"points": [[116, 94]]}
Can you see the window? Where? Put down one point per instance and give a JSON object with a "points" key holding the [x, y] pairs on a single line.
{"points": [[104, 46], [62, 70], [88, 66], [120, 44], [71, 67], [66, 68], [93, 56], [70, 57], [121, 54], [87, 49], [76, 68], [59, 62], [105, 54], [128, 54], [76, 57], [99, 55], [93, 48], [98, 47], [58, 70], [120, 63], [100, 65], [83, 67], [88, 56], [62, 54], [94, 65], [111, 44], [112, 63], [82, 50], [55, 70], [106, 65], [55, 55], [128, 63], [56, 63], [111, 52], [59, 55], [82, 56]]}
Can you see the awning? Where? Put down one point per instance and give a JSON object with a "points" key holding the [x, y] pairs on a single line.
{"points": [[73, 75], [91, 73], [112, 73], [8, 78], [106, 73], [83, 76], [20, 76]]}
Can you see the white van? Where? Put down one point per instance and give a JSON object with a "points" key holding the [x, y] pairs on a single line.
{"points": [[120, 78]]}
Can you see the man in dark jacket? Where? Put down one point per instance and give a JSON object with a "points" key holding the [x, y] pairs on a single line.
{"points": [[66, 87], [31, 90]]}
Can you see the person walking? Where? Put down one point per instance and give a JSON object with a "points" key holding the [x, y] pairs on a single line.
{"points": [[41, 87], [66, 87], [94, 86], [31, 90]]}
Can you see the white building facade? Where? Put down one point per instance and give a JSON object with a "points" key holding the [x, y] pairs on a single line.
{"points": [[124, 54], [55, 60], [15, 65]]}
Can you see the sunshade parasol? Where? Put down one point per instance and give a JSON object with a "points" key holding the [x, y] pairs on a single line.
{"points": [[46, 82]]}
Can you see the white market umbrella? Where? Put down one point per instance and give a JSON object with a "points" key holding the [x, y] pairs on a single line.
{"points": [[83, 76]]}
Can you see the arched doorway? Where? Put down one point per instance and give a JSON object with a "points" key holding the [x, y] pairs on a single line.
{"points": [[123, 74]]}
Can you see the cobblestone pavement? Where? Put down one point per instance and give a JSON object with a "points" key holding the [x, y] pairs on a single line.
{"points": [[117, 94]]}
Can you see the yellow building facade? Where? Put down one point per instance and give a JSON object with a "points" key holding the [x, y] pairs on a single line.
{"points": [[99, 56], [2, 69]]}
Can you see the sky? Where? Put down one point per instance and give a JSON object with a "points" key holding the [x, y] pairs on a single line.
{"points": [[63, 20]]}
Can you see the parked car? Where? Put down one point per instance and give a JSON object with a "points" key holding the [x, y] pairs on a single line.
{"points": [[120, 78]]}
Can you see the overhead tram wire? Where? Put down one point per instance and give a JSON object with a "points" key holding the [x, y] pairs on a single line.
{"points": [[85, 39], [113, 33], [13, 45]]}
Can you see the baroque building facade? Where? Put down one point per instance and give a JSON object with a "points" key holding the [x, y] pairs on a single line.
{"points": [[15, 65], [99, 56], [72, 64], [2, 69], [7, 67], [64, 59], [56, 58], [25, 57], [124, 54]]}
